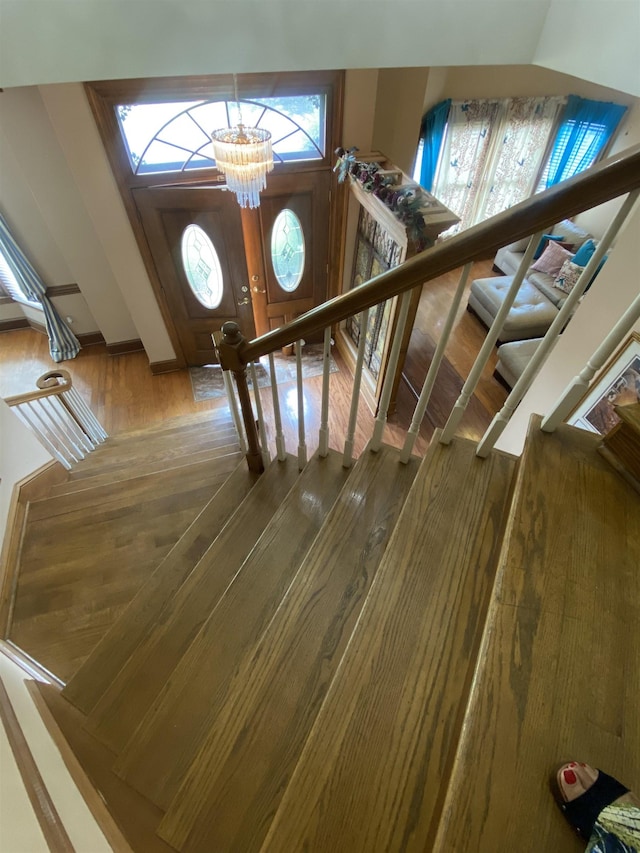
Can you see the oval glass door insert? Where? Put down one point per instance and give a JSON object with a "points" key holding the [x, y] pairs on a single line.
{"points": [[202, 266], [287, 250]]}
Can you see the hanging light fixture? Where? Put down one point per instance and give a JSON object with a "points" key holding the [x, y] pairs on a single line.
{"points": [[244, 155]]}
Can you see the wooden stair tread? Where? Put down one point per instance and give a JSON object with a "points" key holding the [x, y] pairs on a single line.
{"points": [[123, 472], [233, 787], [136, 818], [114, 495], [211, 417], [374, 771], [559, 668], [106, 660], [111, 457], [125, 702], [164, 744], [79, 571]]}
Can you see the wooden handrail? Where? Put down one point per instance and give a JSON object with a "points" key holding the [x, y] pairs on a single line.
{"points": [[607, 180], [48, 386]]}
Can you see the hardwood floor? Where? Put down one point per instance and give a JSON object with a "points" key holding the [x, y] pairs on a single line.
{"points": [[124, 395]]}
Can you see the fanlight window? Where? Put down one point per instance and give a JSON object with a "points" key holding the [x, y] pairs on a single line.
{"points": [[174, 137], [287, 250], [202, 266]]}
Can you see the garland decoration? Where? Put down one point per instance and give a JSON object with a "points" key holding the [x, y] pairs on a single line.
{"points": [[407, 203]]}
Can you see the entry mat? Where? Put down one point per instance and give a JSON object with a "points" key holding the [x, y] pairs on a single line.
{"points": [[207, 381]]}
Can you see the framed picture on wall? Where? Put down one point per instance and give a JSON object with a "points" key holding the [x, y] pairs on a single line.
{"points": [[617, 385]]}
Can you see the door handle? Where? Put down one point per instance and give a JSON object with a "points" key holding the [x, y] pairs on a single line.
{"points": [[244, 301], [257, 289]]}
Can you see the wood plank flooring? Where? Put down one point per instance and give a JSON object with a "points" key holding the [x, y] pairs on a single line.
{"points": [[124, 395]]}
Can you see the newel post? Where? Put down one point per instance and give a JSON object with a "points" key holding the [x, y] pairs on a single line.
{"points": [[230, 352]]}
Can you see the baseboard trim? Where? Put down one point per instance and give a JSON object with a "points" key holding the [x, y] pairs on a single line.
{"points": [[44, 809], [11, 325], [165, 366], [122, 347], [92, 798], [89, 339]]}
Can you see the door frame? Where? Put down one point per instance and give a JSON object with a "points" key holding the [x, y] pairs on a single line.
{"points": [[104, 95]]}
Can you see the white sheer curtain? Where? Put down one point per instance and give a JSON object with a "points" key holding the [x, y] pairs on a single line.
{"points": [[492, 155]]}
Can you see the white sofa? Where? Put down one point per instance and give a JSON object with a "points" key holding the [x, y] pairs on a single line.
{"points": [[537, 302]]}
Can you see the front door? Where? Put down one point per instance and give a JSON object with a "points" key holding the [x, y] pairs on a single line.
{"points": [[195, 237], [287, 239]]}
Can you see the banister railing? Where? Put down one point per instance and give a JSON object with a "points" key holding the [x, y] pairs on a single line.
{"points": [[615, 177], [601, 183], [61, 420]]}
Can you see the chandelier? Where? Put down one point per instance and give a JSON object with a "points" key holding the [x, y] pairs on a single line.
{"points": [[244, 155]]}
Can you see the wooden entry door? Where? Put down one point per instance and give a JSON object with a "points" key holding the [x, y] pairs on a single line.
{"points": [[306, 195], [166, 213]]}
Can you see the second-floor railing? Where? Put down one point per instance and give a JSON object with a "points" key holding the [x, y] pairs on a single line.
{"points": [[61, 420], [617, 177]]}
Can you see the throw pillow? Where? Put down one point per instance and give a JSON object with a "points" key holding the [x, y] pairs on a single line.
{"points": [[567, 277], [542, 245], [571, 232], [584, 253], [552, 259]]}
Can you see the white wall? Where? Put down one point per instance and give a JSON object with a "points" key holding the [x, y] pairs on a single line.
{"points": [[19, 828], [53, 41], [59, 238], [76, 132], [593, 40], [20, 454]]}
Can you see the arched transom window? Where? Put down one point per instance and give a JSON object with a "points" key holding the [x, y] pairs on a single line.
{"points": [[170, 137]]}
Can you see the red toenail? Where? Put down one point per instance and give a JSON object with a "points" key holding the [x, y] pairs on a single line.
{"points": [[569, 777]]}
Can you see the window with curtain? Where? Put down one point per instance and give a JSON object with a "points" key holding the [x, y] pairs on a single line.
{"points": [[9, 285], [585, 130], [491, 155]]}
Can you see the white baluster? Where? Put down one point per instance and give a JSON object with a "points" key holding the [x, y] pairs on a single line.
{"points": [[233, 407], [323, 437], [487, 347], [75, 436], [280, 446], [347, 458], [49, 419], [434, 367], [574, 392], [32, 419], [387, 387], [503, 417], [264, 446], [302, 447], [87, 420]]}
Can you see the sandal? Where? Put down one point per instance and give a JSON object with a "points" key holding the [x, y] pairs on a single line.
{"points": [[582, 813]]}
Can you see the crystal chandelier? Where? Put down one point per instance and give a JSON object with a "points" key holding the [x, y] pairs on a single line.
{"points": [[244, 155]]}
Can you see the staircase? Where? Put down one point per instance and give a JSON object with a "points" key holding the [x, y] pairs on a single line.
{"points": [[391, 657], [96, 538]]}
